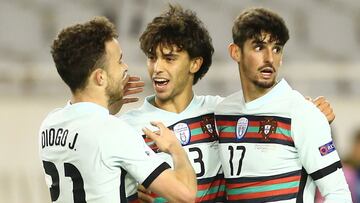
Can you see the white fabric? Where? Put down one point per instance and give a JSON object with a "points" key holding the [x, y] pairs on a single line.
{"points": [[199, 106], [309, 131], [104, 146]]}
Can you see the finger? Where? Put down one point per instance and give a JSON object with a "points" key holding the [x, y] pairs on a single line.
{"points": [[129, 100], [145, 197], [134, 78], [158, 124], [150, 134], [327, 111], [331, 118], [323, 106], [133, 91], [141, 188], [319, 100], [308, 98], [135, 84]]}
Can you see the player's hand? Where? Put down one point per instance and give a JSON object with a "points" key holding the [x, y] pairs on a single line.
{"points": [[164, 138], [324, 106], [144, 195], [133, 86]]}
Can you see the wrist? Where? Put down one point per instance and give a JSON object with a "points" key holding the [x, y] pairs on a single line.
{"points": [[176, 150]]}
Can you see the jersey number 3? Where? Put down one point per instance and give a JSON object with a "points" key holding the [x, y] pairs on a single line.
{"points": [[70, 171], [199, 160]]}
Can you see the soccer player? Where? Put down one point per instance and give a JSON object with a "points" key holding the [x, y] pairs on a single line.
{"points": [[179, 51], [275, 146], [85, 151]]}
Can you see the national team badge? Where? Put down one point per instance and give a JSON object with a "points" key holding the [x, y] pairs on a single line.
{"points": [[241, 127], [208, 126], [327, 148], [182, 132], [267, 127]]}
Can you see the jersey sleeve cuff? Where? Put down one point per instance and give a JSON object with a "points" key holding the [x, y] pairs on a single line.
{"points": [[326, 171], [162, 167]]}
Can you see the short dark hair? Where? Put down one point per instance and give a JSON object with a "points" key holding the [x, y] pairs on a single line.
{"points": [[80, 48], [183, 29], [252, 22]]}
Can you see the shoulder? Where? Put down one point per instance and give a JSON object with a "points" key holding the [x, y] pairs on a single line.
{"points": [[115, 131], [302, 106], [305, 113], [131, 114], [209, 100], [52, 116], [228, 103], [114, 123]]}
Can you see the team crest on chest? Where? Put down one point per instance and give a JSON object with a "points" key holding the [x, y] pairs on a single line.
{"points": [[182, 132], [241, 127], [208, 126], [267, 127]]}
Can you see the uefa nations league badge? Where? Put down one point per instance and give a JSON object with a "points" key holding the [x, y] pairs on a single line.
{"points": [[182, 132], [241, 127]]}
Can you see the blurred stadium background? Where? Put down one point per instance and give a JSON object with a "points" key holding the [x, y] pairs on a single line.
{"points": [[321, 58]]}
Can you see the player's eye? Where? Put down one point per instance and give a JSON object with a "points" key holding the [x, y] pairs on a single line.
{"points": [[151, 58], [277, 49], [258, 47], [170, 58]]}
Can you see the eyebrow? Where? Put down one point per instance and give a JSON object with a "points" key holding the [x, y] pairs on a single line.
{"points": [[257, 41], [170, 54]]}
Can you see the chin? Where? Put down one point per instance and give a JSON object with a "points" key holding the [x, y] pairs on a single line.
{"points": [[265, 84], [162, 96]]}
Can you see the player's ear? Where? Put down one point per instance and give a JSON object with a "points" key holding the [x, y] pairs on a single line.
{"points": [[234, 52], [196, 64], [99, 76]]}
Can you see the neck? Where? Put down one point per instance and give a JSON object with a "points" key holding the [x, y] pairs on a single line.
{"points": [[176, 104], [89, 96], [252, 92]]}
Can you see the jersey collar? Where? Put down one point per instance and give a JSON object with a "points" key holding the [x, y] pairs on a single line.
{"points": [[87, 107], [281, 88]]}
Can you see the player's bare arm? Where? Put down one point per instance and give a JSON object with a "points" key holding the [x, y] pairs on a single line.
{"points": [[324, 106], [179, 184]]}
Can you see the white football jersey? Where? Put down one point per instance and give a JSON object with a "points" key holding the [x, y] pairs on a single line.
{"points": [[194, 127], [86, 154], [277, 148]]}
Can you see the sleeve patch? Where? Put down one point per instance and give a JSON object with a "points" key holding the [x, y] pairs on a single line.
{"points": [[327, 148]]}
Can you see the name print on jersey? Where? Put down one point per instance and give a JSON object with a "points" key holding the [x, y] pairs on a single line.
{"points": [[57, 137]]}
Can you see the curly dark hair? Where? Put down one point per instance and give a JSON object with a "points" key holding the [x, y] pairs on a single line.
{"points": [[80, 48], [252, 22], [183, 29]]}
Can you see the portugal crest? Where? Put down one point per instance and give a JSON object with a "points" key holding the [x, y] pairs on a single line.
{"points": [[208, 126], [182, 132], [267, 127], [241, 127]]}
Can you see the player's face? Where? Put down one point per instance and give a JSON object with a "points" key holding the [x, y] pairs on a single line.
{"points": [[170, 73], [260, 61], [116, 71]]}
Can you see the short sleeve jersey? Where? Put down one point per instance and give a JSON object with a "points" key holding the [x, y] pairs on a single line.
{"points": [[276, 148], [194, 127], [86, 154]]}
